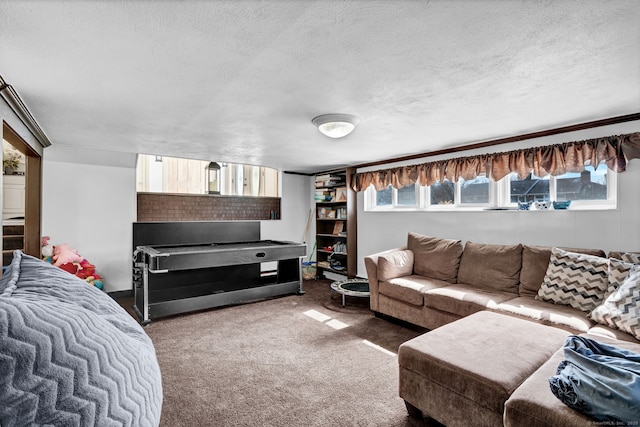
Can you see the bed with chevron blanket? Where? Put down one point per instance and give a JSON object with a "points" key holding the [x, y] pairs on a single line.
{"points": [[70, 355]]}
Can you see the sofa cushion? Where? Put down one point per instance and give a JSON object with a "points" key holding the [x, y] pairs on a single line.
{"points": [[535, 260], [615, 334], [621, 310], [618, 271], [476, 361], [395, 264], [533, 403], [494, 267], [434, 257], [409, 289], [562, 316], [574, 279], [464, 300]]}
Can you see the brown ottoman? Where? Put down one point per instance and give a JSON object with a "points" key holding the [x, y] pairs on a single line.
{"points": [[462, 373]]}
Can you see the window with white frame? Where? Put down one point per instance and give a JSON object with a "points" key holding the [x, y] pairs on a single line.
{"points": [[442, 193], [475, 192], [406, 196], [390, 198], [594, 188]]}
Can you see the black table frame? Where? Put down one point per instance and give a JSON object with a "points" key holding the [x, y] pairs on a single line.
{"points": [[209, 273]]}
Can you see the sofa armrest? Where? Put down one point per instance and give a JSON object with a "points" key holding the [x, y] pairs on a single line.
{"points": [[371, 265]]}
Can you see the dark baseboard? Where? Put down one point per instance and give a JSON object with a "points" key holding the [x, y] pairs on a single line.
{"points": [[121, 294]]}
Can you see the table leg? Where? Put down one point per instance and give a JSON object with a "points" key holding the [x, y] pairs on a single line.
{"points": [[343, 300]]}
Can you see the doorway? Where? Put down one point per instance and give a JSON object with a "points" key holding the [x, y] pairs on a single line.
{"points": [[13, 195], [21, 196]]}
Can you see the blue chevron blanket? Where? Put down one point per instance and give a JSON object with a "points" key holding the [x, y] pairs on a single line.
{"points": [[70, 355], [599, 380]]}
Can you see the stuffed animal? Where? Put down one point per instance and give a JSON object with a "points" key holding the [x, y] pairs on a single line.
{"points": [[71, 261], [47, 249], [88, 273], [71, 267], [63, 254]]}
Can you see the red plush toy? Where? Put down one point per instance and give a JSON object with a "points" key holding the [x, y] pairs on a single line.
{"points": [[70, 267]]}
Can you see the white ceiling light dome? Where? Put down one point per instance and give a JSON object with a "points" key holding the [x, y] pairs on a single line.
{"points": [[336, 125]]}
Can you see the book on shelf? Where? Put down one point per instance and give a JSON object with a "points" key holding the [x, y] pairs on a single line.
{"points": [[338, 227], [329, 180], [325, 213], [319, 196]]}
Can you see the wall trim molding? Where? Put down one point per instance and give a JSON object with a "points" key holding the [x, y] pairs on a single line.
{"points": [[121, 294], [509, 139], [13, 100]]}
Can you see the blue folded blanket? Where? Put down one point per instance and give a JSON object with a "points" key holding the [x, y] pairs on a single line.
{"points": [[599, 380]]}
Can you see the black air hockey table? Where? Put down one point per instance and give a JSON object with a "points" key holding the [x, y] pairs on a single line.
{"points": [[181, 277]]}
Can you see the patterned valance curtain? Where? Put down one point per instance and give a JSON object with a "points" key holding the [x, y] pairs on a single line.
{"points": [[615, 151]]}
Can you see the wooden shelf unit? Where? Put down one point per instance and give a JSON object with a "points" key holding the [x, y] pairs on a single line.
{"points": [[336, 223]]}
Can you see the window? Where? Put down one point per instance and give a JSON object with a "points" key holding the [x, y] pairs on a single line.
{"points": [[530, 189], [590, 184], [591, 189], [475, 191], [442, 193], [390, 198], [407, 196], [160, 174], [385, 197]]}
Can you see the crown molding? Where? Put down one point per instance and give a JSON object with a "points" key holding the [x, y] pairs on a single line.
{"points": [[14, 102]]}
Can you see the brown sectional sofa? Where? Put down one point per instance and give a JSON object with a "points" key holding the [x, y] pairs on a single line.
{"points": [[434, 282]]}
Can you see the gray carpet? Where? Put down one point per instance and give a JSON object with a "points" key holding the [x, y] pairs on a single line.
{"points": [[299, 360]]}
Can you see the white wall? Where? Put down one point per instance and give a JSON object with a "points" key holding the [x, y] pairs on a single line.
{"points": [[608, 230], [89, 202], [296, 203]]}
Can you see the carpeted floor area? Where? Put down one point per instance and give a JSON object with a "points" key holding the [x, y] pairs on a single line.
{"points": [[298, 360]]}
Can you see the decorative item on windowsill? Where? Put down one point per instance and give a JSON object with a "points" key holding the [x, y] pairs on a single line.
{"points": [[542, 205], [212, 172], [524, 206], [562, 205]]}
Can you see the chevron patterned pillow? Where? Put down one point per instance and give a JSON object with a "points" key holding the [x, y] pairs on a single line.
{"points": [[576, 280], [633, 257], [618, 271], [621, 310]]}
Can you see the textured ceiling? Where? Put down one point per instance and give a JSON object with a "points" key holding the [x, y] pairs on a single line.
{"points": [[240, 81]]}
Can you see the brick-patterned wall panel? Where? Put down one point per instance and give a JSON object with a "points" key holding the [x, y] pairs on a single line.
{"points": [[197, 207]]}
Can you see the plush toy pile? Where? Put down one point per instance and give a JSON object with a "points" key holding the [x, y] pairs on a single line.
{"points": [[71, 261]]}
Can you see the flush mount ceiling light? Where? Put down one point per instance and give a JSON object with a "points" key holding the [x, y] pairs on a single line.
{"points": [[336, 125]]}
